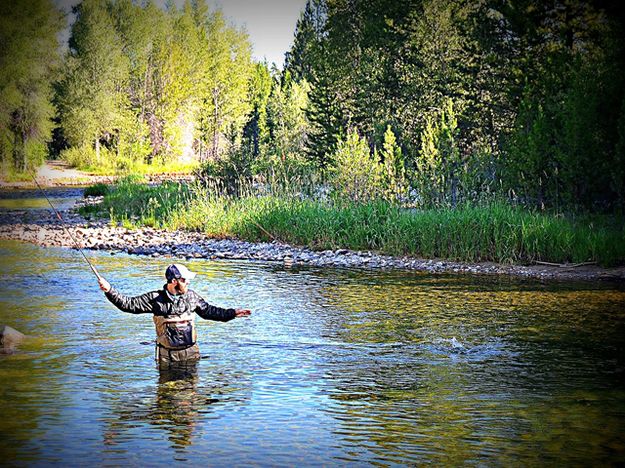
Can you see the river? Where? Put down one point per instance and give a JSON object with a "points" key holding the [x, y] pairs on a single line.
{"points": [[335, 367]]}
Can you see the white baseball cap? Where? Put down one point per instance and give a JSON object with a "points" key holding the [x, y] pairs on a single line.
{"points": [[176, 271]]}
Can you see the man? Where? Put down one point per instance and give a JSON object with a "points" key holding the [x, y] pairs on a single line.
{"points": [[173, 308]]}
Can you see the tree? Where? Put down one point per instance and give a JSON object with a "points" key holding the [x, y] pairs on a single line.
{"points": [[308, 32], [28, 61], [289, 127], [356, 174], [393, 174], [256, 131], [324, 114], [93, 103], [223, 84], [439, 162]]}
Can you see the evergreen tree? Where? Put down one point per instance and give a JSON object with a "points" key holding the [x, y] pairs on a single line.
{"points": [[356, 174], [289, 127], [439, 161], [324, 114], [308, 33], [393, 174], [256, 131]]}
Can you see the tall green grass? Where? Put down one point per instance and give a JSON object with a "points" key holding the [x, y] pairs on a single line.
{"points": [[495, 231]]}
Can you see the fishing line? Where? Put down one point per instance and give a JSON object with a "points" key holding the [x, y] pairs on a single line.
{"points": [[58, 215]]}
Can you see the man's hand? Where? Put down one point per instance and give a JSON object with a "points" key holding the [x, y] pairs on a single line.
{"points": [[104, 285], [242, 312]]}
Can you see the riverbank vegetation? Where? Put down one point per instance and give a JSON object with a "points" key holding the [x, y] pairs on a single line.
{"points": [[491, 231], [386, 113]]}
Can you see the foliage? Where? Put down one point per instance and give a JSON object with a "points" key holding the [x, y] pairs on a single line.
{"points": [[28, 61], [356, 175], [223, 84], [96, 190], [288, 130], [393, 182], [536, 89], [132, 201], [256, 132], [142, 85], [438, 163], [489, 232], [464, 109], [93, 108], [308, 31], [274, 139]]}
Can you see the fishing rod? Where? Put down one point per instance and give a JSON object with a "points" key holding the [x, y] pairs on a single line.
{"points": [[58, 215]]}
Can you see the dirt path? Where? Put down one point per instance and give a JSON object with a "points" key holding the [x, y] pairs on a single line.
{"points": [[59, 171], [54, 173]]}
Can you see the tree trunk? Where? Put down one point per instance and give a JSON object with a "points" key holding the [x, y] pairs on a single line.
{"points": [[19, 153], [215, 146]]}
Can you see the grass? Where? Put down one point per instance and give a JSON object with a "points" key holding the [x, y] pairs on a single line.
{"points": [[495, 231], [140, 168], [9, 174]]}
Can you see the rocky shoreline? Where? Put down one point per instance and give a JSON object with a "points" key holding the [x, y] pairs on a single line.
{"points": [[44, 229]]}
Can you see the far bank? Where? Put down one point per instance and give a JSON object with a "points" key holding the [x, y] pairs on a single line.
{"points": [[42, 228]]}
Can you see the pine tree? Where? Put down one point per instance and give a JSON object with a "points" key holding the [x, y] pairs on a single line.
{"points": [[289, 126], [308, 33], [324, 114], [256, 131], [393, 174], [356, 174]]}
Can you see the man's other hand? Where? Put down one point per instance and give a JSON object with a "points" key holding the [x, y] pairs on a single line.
{"points": [[242, 312]]}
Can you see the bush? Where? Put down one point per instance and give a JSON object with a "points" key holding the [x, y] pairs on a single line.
{"points": [[356, 175], [96, 190], [82, 156], [490, 232]]}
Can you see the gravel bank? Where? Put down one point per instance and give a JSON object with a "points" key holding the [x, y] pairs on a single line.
{"points": [[43, 228]]}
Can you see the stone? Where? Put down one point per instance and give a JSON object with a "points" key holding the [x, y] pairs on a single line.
{"points": [[10, 338]]}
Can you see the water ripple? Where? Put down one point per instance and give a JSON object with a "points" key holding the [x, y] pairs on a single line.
{"points": [[335, 367]]}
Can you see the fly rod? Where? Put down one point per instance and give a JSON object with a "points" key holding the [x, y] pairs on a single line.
{"points": [[58, 215]]}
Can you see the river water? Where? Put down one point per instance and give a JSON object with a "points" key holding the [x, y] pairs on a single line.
{"points": [[335, 367]]}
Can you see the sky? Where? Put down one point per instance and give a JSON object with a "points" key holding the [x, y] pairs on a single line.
{"points": [[269, 23]]}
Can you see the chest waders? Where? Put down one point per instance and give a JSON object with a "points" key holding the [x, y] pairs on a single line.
{"points": [[176, 338]]}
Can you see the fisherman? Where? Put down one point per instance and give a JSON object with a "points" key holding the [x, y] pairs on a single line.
{"points": [[173, 308]]}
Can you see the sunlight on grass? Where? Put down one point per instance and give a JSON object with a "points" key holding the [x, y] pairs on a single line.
{"points": [[493, 231]]}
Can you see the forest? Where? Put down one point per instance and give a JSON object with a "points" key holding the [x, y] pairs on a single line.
{"points": [[421, 103]]}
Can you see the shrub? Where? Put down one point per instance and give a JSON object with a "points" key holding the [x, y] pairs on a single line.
{"points": [[96, 190], [356, 174]]}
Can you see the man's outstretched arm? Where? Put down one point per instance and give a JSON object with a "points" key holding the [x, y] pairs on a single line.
{"points": [[134, 305], [211, 312]]}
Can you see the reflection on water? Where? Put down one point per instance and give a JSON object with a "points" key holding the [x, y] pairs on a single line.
{"points": [[335, 367], [174, 407], [61, 198]]}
